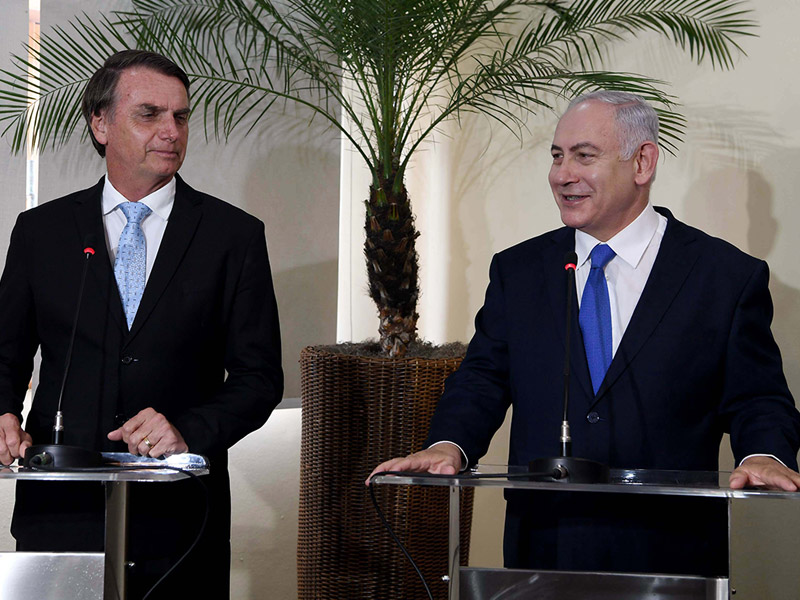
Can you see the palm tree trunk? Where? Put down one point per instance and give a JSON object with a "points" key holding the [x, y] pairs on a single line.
{"points": [[392, 263]]}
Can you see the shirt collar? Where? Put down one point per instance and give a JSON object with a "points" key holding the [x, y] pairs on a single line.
{"points": [[629, 244], [160, 201]]}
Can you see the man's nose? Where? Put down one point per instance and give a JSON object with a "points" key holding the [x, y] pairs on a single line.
{"points": [[564, 173], [169, 129]]}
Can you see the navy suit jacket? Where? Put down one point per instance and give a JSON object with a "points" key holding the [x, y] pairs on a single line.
{"points": [[697, 359], [204, 350]]}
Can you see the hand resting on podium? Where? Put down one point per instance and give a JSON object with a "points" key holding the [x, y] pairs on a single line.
{"points": [[442, 459], [153, 427], [763, 471], [148, 424], [13, 439]]}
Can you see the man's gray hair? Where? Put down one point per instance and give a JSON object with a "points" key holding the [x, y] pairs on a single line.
{"points": [[636, 120]]}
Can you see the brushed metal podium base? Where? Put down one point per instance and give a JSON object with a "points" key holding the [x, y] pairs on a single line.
{"points": [[512, 584], [51, 576]]}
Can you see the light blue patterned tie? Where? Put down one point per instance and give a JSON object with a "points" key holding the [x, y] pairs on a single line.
{"points": [[130, 267], [595, 316]]}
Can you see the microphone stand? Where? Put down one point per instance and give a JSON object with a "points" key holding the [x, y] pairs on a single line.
{"points": [[566, 467], [57, 455]]}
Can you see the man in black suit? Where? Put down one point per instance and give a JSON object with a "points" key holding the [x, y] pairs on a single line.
{"points": [[177, 347], [686, 355]]}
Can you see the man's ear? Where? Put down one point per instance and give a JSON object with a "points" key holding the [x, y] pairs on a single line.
{"points": [[99, 124], [645, 162]]}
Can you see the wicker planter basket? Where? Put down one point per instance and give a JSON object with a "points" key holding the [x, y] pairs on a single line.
{"points": [[357, 412]]}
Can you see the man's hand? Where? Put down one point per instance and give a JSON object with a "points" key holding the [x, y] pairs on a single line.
{"points": [[444, 459], [13, 440], [763, 471], [153, 427]]}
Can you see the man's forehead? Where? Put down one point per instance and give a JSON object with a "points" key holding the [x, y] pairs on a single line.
{"points": [[141, 83], [589, 122]]}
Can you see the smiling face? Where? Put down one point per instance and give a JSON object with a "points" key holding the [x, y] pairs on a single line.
{"points": [[596, 191], [145, 131]]}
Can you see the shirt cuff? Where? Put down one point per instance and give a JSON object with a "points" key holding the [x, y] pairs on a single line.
{"points": [[464, 461], [768, 455]]}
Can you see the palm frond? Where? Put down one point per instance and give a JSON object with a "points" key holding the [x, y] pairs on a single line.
{"points": [[412, 63], [42, 92]]}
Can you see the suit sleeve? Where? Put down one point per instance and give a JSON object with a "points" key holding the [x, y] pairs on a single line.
{"points": [[254, 383], [18, 340], [757, 405], [477, 396]]}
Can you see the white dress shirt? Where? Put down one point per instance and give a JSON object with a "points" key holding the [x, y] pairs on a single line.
{"points": [[636, 248], [153, 225]]}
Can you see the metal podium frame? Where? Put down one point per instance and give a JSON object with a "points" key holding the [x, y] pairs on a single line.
{"points": [[566, 585], [89, 575]]}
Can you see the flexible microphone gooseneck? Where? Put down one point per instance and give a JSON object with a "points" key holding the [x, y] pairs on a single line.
{"points": [[57, 455], [566, 440], [565, 467]]}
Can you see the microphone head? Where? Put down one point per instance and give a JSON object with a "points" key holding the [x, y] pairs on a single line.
{"points": [[88, 243], [570, 260]]}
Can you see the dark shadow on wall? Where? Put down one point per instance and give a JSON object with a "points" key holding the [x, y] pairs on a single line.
{"points": [[717, 204], [761, 237], [307, 307], [293, 186]]}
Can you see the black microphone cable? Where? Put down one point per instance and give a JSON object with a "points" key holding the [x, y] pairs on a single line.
{"points": [[518, 475], [36, 465]]}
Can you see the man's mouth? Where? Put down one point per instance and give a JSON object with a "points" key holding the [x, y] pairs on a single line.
{"points": [[164, 152], [573, 197]]}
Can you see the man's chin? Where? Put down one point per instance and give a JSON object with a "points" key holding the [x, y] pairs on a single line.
{"points": [[573, 217]]}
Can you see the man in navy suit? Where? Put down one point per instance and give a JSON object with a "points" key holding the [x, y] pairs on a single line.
{"points": [[193, 364], [689, 356]]}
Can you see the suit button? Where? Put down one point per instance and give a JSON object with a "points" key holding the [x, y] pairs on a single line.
{"points": [[126, 360], [593, 417]]}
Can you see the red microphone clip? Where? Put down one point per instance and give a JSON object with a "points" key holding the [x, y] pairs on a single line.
{"points": [[569, 266], [88, 250]]}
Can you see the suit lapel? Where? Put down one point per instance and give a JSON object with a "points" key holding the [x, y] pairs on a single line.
{"points": [[676, 257], [89, 219], [556, 281]]}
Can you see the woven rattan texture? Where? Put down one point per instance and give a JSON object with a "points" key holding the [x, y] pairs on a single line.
{"points": [[357, 412]]}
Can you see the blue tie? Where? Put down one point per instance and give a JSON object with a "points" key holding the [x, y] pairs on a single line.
{"points": [[595, 316], [130, 267]]}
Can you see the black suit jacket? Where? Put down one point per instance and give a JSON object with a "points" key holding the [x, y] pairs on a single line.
{"points": [[697, 359], [204, 349]]}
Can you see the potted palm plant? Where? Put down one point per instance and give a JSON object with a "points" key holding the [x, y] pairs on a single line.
{"points": [[386, 74]]}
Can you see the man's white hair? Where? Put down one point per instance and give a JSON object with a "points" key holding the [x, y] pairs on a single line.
{"points": [[636, 120]]}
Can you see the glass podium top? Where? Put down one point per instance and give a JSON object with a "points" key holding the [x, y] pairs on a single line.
{"points": [[622, 481], [120, 466]]}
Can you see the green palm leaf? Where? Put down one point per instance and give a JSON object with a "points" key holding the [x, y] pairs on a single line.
{"points": [[59, 67], [386, 73]]}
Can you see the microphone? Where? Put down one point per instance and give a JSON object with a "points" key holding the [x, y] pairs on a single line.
{"points": [[566, 440], [565, 467], [57, 455]]}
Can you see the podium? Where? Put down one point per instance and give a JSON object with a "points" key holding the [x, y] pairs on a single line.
{"points": [[89, 575], [472, 583]]}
